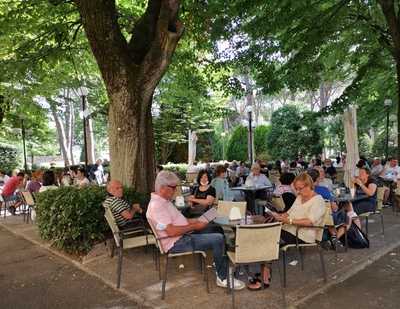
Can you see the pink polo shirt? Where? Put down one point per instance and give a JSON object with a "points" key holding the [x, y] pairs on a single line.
{"points": [[160, 213]]}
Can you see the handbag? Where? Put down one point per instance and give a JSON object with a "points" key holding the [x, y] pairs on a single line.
{"points": [[356, 238]]}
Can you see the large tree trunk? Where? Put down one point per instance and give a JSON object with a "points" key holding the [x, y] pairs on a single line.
{"points": [[131, 71], [62, 140], [393, 22]]}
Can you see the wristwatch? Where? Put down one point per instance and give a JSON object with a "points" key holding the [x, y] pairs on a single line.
{"points": [[290, 221]]}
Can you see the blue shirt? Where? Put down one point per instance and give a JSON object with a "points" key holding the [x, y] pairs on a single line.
{"points": [[324, 192]]}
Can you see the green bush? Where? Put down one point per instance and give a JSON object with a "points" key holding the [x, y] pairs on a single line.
{"points": [[237, 146], [9, 157], [179, 169], [73, 219], [260, 142]]}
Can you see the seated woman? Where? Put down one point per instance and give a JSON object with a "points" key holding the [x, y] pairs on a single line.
{"points": [[221, 186], [307, 210], [81, 179], [364, 184], [285, 189], [202, 197], [49, 181]]}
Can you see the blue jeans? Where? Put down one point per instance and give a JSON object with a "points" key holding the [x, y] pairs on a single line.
{"points": [[203, 242]]}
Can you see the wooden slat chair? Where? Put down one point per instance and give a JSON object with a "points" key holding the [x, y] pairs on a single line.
{"points": [[224, 208], [256, 243], [126, 239], [299, 247], [29, 204], [166, 256], [378, 211], [278, 203]]}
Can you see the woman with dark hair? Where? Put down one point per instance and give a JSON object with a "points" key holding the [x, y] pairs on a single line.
{"points": [[202, 197], [364, 184], [81, 179], [49, 181], [285, 189]]}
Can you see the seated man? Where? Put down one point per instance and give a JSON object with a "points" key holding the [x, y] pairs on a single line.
{"points": [[9, 191], [121, 210], [172, 227]]}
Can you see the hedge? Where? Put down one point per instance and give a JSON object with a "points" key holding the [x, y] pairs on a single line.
{"points": [[9, 157], [73, 219]]}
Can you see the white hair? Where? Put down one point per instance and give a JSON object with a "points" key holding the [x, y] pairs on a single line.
{"points": [[165, 178], [255, 166]]}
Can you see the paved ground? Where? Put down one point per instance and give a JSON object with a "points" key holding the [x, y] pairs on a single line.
{"points": [[185, 286], [31, 277], [377, 286]]}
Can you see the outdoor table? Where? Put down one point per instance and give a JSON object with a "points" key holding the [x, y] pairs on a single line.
{"points": [[250, 192], [225, 221], [348, 198]]}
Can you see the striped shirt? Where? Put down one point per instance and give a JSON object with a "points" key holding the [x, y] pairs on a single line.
{"points": [[117, 206]]}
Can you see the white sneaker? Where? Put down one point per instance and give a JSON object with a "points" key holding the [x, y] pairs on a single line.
{"points": [[237, 284]]}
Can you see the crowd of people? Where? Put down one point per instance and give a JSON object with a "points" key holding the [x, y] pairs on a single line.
{"points": [[306, 189], [46, 179]]}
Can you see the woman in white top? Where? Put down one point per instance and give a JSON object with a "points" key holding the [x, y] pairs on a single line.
{"points": [[307, 210], [49, 181], [81, 179]]}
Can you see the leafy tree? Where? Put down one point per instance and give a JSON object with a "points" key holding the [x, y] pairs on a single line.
{"points": [[293, 133], [260, 141], [237, 146]]}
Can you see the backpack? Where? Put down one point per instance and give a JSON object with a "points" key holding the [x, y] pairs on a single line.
{"points": [[356, 238]]}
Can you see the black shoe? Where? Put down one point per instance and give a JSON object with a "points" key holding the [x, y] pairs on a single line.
{"points": [[11, 210], [338, 246], [326, 245]]}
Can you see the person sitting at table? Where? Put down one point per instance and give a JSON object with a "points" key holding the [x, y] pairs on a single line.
{"points": [[307, 210], [202, 196], [221, 186], [34, 184], [49, 181], [377, 167], [365, 184], [173, 229], [256, 179], [81, 179], [285, 190], [123, 213], [9, 192], [339, 217], [323, 181]]}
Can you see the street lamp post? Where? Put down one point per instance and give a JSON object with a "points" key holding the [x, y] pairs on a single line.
{"points": [[24, 143], [223, 134], [84, 93], [387, 103], [250, 136]]}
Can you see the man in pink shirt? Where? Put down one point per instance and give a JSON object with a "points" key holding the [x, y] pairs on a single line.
{"points": [[9, 189], [172, 228]]}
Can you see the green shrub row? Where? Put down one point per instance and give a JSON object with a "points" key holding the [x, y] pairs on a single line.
{"points": [[73, 219], [9, 157]]}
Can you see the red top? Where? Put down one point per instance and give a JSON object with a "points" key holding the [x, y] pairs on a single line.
{"points": [[11, 185]]}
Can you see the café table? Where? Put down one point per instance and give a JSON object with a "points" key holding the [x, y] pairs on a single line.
{"points": [[348, 198], [250, 192], [225, 221]]}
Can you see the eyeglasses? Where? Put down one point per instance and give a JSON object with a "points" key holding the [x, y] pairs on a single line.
{"points": [[299, 189], [172, 187]]}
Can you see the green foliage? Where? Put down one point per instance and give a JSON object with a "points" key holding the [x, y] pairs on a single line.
{"points": [[260, 142], [293, 133], [9, 157], [72, 218], [179, 169], [237, 146]]}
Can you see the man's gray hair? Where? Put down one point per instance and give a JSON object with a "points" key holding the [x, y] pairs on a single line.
{"points": [[255, 166], [166, 178]]}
